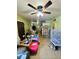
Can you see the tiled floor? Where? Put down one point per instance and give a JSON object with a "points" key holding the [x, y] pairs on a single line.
{"points": [[45, 52]]}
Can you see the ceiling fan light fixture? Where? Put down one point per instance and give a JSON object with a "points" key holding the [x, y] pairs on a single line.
{"points": [[39, 14]]}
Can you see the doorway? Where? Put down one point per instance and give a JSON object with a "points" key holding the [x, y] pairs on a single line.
{"points": [[21, 30]]}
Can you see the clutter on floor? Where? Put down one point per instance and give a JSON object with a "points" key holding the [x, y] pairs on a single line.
{"points": [[30, 43]]}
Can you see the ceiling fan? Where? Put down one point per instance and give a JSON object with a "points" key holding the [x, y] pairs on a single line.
{"points": [[39, 9]]}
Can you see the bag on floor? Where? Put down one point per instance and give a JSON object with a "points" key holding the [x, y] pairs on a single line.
{"points": [[22, 53], [33, 47]]}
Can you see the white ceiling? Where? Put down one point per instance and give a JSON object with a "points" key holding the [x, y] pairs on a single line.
{"points": [[24, 10]]}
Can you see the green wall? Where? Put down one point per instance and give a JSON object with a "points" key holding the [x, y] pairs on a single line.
{"points": [[58, 22], [26, 22]]}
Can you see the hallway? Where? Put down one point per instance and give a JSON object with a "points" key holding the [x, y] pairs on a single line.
{"points": [[45, 52], [41, 19]]}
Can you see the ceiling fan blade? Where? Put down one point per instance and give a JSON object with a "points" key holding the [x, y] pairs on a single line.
{"points": [[31, 6], [47, 12], [33, 13], [48, 4]]}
